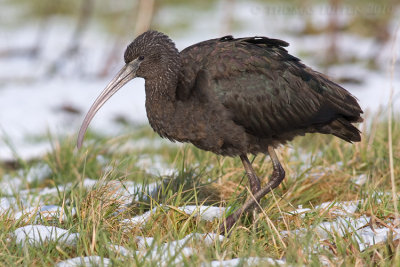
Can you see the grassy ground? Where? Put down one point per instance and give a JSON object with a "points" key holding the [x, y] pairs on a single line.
{"points": [[319, 169]]}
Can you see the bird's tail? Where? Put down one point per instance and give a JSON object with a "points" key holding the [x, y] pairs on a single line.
{"points": [[343, 129]]}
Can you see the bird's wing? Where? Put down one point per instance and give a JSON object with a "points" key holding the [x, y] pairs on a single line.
{"points": [[267, 90]]}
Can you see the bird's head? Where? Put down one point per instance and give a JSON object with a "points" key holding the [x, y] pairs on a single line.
{"points": [[149, 56]]}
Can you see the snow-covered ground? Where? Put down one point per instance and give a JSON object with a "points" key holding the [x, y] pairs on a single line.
{"points": [[344, 222], [31, 207], [37, 234], [361, 227]]}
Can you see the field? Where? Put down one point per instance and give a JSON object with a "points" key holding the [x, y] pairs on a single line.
{"points": [[138, 200], [130, 198]]}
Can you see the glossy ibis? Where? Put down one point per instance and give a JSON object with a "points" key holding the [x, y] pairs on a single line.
{"points": [[233, 97]]}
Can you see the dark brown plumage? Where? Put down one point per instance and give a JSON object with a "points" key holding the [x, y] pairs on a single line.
{"points": [[234, 97]]}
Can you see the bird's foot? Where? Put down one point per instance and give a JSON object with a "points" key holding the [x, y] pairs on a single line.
{"points": [[277, 176]]}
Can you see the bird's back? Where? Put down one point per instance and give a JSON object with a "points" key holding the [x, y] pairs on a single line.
{"points": [[267, 91]]}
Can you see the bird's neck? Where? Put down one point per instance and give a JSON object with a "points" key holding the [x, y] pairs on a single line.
{"points": [[162, 81], [161, 89], [161, 103]]}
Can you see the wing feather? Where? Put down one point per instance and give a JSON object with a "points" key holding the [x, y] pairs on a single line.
{"points": [[266, 90]]}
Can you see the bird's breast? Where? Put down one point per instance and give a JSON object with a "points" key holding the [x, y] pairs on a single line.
{"points": [[206, 126]]}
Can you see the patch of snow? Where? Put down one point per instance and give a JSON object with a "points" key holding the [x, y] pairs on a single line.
{"points": [[359, 227], [363, 233], [51, 190], [360, 179], [43, 98], [121, 250], [27, 214], [38, 213], [7, 203], [12, 205], [155, 166], [89, 183], [209, 238], [207, 213], [102, 160], [12, 184], [341, 226], [85, 261], [174, 251], [383, 195], [125, 191], [39, 234], [86, 183], [143, 242], [25, 150], [245, 261], [53, 211], [139, 220], [325, 261], [38, 172], [341, 208], [367, 237], [300, 211], [168, 253], [129, 190], [142, 143]]}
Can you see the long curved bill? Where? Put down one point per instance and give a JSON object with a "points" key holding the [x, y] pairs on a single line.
{"points": [[127, 73]]}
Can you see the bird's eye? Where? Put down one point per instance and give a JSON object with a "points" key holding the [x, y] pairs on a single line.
{"points": [[141, 58]]}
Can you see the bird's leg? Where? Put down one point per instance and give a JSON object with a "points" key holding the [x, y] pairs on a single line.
{"points": [[254, 181], [278, 173], [277, 177]]}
